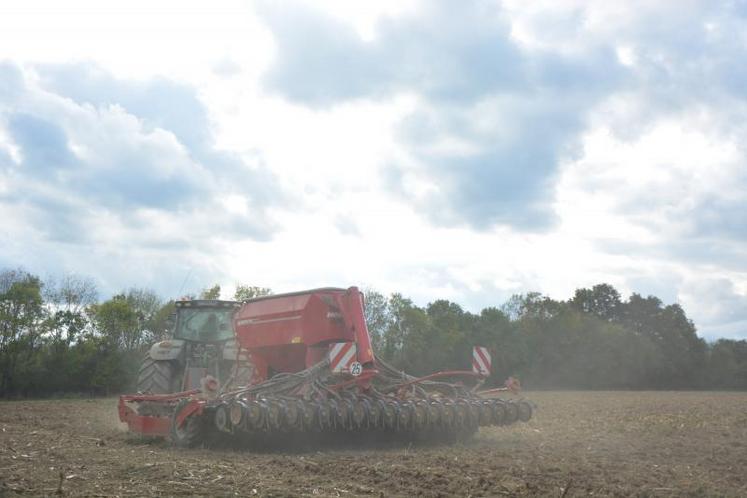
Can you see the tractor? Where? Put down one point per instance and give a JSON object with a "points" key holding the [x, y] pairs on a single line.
{"points": [[202, 346]]}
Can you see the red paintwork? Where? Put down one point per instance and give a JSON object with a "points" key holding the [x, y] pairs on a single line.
{"points": [[291, 332], [149, 426]]}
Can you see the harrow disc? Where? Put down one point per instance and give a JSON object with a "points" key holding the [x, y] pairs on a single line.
{"points": [[404, 416], [359, 414], [436, 413], [486, 413], [389, 415], [525, 410], [345, 415], [324, 410], [221, 418], [420, 415], [292, 417], [275, 415], [375, 413], [255, 415], [512, 412], [237, 413], [449, 414], [499, 412]]}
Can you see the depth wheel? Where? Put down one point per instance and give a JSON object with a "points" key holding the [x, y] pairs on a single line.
{"points": [[190, 434]]}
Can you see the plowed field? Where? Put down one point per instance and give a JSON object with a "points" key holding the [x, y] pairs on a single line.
{"points": [[578, 443]]}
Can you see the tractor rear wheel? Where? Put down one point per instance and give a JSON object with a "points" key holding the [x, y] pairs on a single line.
{"points": [[190, 434], [156, 376]]}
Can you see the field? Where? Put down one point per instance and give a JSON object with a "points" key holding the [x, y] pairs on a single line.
{"points": [[579, 443]]}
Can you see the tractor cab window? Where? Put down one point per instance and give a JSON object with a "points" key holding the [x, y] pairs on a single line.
{"points": [[204, 325]]}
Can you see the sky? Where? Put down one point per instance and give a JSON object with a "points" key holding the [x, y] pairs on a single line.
{"points": [[445, 150]]}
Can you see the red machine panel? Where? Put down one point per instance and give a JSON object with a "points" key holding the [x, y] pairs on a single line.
{"points": [[290, 332]]}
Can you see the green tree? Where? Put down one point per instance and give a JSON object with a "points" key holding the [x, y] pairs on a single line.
{"points": [[162, 323], [246, 292], [682, 352], [119, 323], [727, 364], [602, 301], [211, 293], [378, 318], [21, 317], [401, 339]]}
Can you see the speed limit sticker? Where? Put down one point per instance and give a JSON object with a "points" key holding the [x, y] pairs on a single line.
{"points": [[355, 369]]}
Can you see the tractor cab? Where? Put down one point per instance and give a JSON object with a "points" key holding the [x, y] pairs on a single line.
{"points": [[202, 344], [204, 320]]}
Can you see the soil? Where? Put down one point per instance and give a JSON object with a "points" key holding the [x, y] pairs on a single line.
{"points": [[578, 443]]}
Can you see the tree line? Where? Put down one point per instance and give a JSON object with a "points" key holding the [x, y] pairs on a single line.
{"points": [[57, 336], [595, 340]]}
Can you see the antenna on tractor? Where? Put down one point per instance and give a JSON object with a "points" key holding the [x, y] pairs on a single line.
{"points": [[189, 273]]}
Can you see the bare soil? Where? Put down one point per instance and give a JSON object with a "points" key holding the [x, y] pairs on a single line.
{"points": [[578, 443]]}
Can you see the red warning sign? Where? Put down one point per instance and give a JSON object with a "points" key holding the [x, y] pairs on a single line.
{"points": [[341, 356], [481, 361]]}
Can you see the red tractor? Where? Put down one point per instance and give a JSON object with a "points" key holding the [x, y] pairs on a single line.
{"points": [[314, 372]]}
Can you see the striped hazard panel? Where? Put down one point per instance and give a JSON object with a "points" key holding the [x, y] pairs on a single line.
{"points": [[481, 361], [341, 356]]}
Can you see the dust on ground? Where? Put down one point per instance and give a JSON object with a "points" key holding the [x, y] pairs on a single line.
{"points": [[578, 443]]}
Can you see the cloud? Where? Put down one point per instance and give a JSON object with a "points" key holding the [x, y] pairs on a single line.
{"points": [[89, 163], [504, 96], [493, 121], [158, 102], [720, 309], [11, 81], [126, 146], [44, 144]]}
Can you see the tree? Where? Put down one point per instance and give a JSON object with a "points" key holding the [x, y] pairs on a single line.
{"points": [[406, 320], [532, 304], [148, 307], [211, 293], [71, 292], [682, 352], [246, 292], [727, 364], [163, 321], [378, 318], [67, 299], [21, 316], [602, 301], [119, 322]]}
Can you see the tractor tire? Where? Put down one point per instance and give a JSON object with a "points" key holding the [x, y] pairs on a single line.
{"points": [[191, 433], [156, 377]]}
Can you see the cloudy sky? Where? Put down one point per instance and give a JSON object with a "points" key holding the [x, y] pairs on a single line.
{"points": [[461, 150]]}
